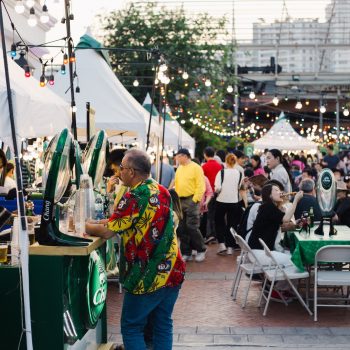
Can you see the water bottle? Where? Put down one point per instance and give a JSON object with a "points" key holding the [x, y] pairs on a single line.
{"points": [[99, 208], [311, 216]]}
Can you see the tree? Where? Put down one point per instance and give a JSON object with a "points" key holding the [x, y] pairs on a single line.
{"points": [[189, 44]]}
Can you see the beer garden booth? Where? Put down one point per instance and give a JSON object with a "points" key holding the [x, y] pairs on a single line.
{"points": [[67, 279]]}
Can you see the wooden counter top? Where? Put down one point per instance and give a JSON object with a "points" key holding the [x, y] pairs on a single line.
{"points": [[37, 249]]}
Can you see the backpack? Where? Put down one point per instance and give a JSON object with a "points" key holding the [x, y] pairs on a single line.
{"points": [[222, 171], [242, 226]]}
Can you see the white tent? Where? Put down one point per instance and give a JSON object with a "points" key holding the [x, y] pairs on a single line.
{"points": [[175, 136], [115, 108], [37, 111], [282, 136]]}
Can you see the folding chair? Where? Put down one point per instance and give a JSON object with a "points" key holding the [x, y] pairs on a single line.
{"points": [[246, 263], [339, 278], [276, 272]]}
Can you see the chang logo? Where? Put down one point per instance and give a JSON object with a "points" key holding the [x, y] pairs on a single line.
{"points": [[47, 209], [326, 180], [96, 288]]}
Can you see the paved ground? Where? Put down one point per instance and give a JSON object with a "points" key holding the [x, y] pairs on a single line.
{"points": [[205, 317]]}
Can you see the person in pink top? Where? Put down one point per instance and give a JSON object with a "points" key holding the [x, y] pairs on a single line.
{"points": [[256, 164], [208, 195], [296, 161]]}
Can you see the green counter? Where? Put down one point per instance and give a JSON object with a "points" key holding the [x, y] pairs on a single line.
{"points": [[59, 293]]}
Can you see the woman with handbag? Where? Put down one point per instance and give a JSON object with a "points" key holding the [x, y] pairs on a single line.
{"points": [[227, 186]]}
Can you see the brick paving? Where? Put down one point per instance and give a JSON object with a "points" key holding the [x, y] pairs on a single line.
{"points": [[206, 317]]}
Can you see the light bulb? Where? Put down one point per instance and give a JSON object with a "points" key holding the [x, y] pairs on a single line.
{"points": [[19, 7], [229, 89], [185, 75], [32, 21], [252, 95], [42, 81], [299, 105], [163, 67], [136, 83], [323, 109], [166, 80], [44, 18], [346, 112], [30, 3], [275, 100], [207, 82]]}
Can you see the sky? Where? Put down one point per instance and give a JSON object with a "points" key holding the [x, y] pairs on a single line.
{"points": [[246, 12]]}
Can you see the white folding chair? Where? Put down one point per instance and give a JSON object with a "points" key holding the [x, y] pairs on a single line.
{"points": [[276, 272], [246, 263], [331, 277]]}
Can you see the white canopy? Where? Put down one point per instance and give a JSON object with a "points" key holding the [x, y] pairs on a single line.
{"points": [[37, 111], [115, 108], [282, 136], [175, 136]]}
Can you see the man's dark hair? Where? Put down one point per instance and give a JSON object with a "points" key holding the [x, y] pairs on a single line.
{"points": [[222, 154], [239, 154], [116, 156], [308, 171], [330, 147], [139, 160], [209, 152]]}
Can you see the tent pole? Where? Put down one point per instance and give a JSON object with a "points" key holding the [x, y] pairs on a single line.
{"points": [[151, 111], [70, 65], [163, 139], [23, 236], [88, 121]]}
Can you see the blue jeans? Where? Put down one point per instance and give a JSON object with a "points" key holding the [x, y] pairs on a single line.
{"points": [[137, 308]]}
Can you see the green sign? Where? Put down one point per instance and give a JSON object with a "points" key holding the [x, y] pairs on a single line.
{"points": [[249, 150], [96, 288]]}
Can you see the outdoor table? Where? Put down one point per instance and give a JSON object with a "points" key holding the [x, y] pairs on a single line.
{"points": [[304, 246]]}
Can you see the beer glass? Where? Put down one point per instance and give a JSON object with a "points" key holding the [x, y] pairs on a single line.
{"points": [[3, 252]]}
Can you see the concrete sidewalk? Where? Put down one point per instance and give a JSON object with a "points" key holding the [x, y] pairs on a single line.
{"points": [[225, 338]]}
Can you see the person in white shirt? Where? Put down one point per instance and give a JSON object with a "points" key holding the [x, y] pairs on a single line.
{"points": [[9, 182], [227, 204]]}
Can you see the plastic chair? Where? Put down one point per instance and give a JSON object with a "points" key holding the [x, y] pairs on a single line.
{"points": [[338, 278], [276, 272], [247, 263]]}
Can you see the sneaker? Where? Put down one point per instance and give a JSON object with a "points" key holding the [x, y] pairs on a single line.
{"points": [[229, 251], [221, 249], [187, 258], [194, 252], [200, 256], [210, 240]]}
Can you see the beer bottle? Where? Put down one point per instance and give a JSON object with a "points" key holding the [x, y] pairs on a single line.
{"points": [[311, 216]]}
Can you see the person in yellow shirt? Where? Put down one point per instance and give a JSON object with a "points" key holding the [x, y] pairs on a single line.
{"points": [[190, 187]]}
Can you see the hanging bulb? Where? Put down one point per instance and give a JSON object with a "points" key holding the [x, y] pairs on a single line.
{"points": [[72, 57], [63, 69], [30, 3], [286, 98], [32, 21], [298, 105], [42, 81], [346, 112], [163, 67], [229, 89], [52, 80], [65, 59], [136, 83], [275, 100], [252, 95], [307, 102], [323, 109], [207, 82], [185, 75], [44, 18], [13, 50], [19, 7], [77, 89], [27, 73]]}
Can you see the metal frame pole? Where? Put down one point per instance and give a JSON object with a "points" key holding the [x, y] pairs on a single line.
{"points": [[23, 236]]}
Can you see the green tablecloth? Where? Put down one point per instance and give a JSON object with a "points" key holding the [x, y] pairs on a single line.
{"points": [[304, 247]]}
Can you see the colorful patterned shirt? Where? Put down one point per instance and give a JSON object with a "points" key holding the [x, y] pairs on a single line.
{"points": [[150, 257]]}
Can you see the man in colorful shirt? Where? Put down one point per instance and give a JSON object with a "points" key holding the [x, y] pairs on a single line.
{"points": [[151, 268]]}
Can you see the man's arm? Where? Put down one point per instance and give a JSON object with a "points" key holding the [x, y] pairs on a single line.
{"points": [[98, 229], [199, 185]]}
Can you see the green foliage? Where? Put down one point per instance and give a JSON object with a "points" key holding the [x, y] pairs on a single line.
{"points": [[188, 43]]}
